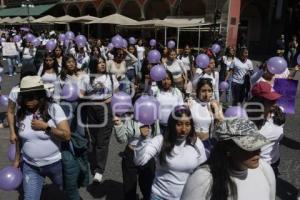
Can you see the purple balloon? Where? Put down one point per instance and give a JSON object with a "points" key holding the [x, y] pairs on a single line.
{"points": [[154, 57], [69, 35], [36, 42], [80, 39], [17, 38], [10, 178], [125, 44], [158, 73], [146, 110], [110, 46], [216, 48], [236, 112], [152, 42], [276, 65], [298, 59], [61, 37], [3, 100], [121, 103], [202, 61], [223, 86], [11, 153], [29, 37], [132, 40], [117, 41], [171, 44], [51, 44], [1, 70], [70, 92], [67, 42]]}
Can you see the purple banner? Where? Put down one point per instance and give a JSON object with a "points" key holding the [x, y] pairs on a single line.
{"points": [[288, 89]]}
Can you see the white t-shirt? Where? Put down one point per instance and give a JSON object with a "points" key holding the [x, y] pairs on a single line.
{"points": [[140, 52], [170, 178], [214, 80], [227, 61], [186, 62], [13, 95], [114, 68], [167, 101], [176, 68], [101, 87], [274, 133], [202, 117], [251, 184], [240, 69], [38, 148]]}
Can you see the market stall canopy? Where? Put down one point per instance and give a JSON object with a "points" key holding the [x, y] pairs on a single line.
{"points": [[115, 19], [25, 20], [16, 20], [63, 20], [44, 20], [5, 20], [22, 11], [173, 22], [86, 18]]}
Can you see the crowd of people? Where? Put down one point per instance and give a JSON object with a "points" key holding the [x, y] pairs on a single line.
{"points": [[191, 152]]}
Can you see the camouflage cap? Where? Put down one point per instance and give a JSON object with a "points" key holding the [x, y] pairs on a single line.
{"points": [[243, 132]]}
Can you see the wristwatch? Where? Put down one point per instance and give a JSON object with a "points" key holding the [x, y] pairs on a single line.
{"points": [[48, 130]]}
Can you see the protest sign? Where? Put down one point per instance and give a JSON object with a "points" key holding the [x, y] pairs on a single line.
{"points": [[9, 49], [288, 89]]}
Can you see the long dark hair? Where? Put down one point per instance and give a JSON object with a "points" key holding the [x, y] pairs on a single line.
{"points": [[63, 73], [43, 99], [169, 74], [55, 63], [170, 135], [201, 83], [93, 67], [219, 164]]}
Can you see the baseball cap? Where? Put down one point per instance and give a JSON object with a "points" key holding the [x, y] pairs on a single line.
{"points": [[242, 132], [265, 90]]}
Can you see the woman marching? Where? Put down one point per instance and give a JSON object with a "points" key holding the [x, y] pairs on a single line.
{"points": [[97, 90], [42, 125], [178, 153], [128, 130], [50, 69], [205, 111], [234, 169]]}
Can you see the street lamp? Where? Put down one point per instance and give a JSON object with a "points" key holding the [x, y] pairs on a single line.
{"points": [[27, 4]]}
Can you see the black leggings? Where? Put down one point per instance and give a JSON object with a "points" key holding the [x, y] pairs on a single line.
{"points": [[132, 173], [238, 93], [96, 115]]}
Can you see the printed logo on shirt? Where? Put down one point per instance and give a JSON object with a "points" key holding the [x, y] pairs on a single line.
{"points": [[21, 127]]}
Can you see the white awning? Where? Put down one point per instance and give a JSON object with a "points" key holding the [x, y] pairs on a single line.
{"points": [[115, 19]]}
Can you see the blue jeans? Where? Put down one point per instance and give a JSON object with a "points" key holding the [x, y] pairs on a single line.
{"points": [[11, 63], [33, 178]]}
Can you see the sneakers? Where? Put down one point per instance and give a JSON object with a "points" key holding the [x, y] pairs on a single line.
{"points": [[98, 178]]}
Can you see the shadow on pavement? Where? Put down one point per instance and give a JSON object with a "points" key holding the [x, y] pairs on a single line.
{"points": [[290, 143], [110, 189], [50, 192], [285, 190]]}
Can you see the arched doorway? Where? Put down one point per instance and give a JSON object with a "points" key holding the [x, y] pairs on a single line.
{"points": [[132, 10], [250, 28], [157, 9], [107, 30], [89, 9], [74, 11], [186, 8]]}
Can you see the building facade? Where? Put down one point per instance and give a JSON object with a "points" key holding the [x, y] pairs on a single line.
{"points": [[257, 22]]}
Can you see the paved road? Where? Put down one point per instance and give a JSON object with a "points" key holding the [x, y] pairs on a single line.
{"points": [[111, 188]]}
